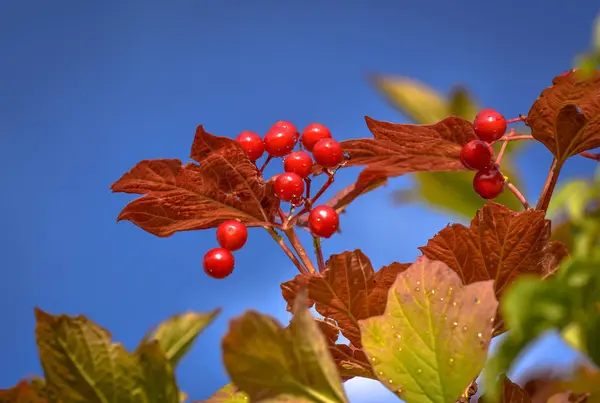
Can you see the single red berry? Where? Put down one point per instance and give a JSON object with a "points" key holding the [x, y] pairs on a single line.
{"points": [[476, 154], [328, 153], [489, 182], [289, 126], [218, 263], [489, 125], [252, 144], [279, 141], [298, 162], [323, 221], [289, 186], [312, 134], [232, 235]]}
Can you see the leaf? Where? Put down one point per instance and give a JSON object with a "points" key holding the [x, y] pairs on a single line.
{"points": [[160, 384], [177, 334], [432, 340], [398, 149], [82, 365], [510, 392], [586, 380], [566, 116], [413, 99], [499, 245], [347, 291], [22, 392], [226, 185], [596, 35], [461, 104], [267, 361], [228, 394]]}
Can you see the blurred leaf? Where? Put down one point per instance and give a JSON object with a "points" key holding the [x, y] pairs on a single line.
{"points": [[228, 394], [572, 198], [432, 340], [510, 392], [586, 380], [159, 380], [596, 35], [462, 104], [22, 392]]}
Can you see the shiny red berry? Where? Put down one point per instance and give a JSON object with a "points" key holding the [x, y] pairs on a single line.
{"points": [[289, 187], [488, 182], [232, 235], [252, 144], [289, 126], [312, 134], [218, 263], [298, 162], [476, 154], [279, 142], [328, 153], [489, 125], [323, 221]]}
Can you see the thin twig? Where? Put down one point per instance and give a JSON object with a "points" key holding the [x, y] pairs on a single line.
{"points": [[297, 245], [309, 203], [515, 138], [503, 148], [286, 249], [549, 186], [319, 253], [518, 194], [261, 170], [592, 156]]}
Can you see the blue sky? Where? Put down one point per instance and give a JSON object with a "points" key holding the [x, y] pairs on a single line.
{"points": [[87, 89]]}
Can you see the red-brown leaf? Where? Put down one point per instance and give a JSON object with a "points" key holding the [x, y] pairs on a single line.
{"points": [[511, 392], [347, 291], [499, 245], [225, 185], [566, 116], [22, 392]]}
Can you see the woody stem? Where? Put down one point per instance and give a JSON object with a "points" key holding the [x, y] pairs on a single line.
{"points": [[549, 186], [319, 253], [297, 245], [518, 194], [279, 240]]}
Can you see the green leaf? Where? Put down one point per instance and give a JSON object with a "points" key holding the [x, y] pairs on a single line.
{"points": [[82, 365], [159, 379], [177, 334], [572, 198], [461, 104], [596, 35], [271, 363], [432, 340], [228, 394]]}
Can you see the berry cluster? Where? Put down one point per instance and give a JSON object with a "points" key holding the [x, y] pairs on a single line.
{"points": [[231, 236], [478, 155]]}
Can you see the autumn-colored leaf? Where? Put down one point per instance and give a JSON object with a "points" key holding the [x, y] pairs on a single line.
{"points": [[224, 185], [566, 116], [347, 291], [432, 340], [510, 392], [227, 394], [22, 392], [499, 245], [271, 363], [82, 365], [159, 378]]}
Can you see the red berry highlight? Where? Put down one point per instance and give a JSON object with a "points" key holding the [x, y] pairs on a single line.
{"points": [[323, 221], [489, 125], [289, 126], [252, 144], [328, 153], [298, 162], [489, 182], [218, 263], [476, 155], [232, 235], [279, 142], [289, 187], [313, 133]]}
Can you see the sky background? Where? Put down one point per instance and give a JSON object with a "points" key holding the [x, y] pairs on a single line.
{"points": [[87, 89]]}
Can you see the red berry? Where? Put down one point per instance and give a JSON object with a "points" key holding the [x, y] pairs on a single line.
{"points": [[476, 154], [279, 141], [298, 162], [252, 144], [218, 263], [289, 186], [323, 221], [328, 153], [489, 125], [313, 133], [489, 182], [289, 126], [232, 235]]}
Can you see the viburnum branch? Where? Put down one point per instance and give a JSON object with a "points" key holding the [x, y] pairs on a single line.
{"points": [[308, 181], [514, 190], [593, 156], [521, 118], [264, 165], [549, 186], [309, 203], [515, 138], [504, 144], [319, 253], [297, 245], [286, 249]]}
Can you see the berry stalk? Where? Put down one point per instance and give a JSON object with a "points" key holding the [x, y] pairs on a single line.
{"points": [[549, 186], [291, 235], [319, 253], [279, 240], [514, 190]]}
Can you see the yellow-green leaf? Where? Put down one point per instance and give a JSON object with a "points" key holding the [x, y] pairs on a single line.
{"points": [[462, 104], [228, 394], [159, 379], [82, 365]]}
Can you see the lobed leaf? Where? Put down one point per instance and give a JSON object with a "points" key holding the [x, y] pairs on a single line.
{"points": [[228, 394], [273, 364], [225, 185], [566, 116], [22, 392], [347, 291], [510, 392], [432, 340], [159, 378]]}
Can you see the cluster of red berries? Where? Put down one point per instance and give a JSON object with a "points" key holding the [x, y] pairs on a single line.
{"points": [[219, 262], [478, 155]]}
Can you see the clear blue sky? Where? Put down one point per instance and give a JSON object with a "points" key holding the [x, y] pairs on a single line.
{"points": [[87, 89]]}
